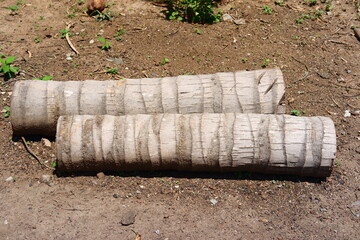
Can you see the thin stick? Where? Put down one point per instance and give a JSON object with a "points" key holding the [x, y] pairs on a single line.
{"points": [[33, 154], [30, 55], [339, 42], [307, 69], [69, 42], [335, 102]]}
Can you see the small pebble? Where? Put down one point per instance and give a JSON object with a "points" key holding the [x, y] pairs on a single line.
{"points": [[347, 113], [46, 142], [157, 232], [6, 222], [91, 41], [10, 179], [213, 201], [45, 178], [69, 58], [100, 175], [128, 218], [227, 18], [142, 187]]}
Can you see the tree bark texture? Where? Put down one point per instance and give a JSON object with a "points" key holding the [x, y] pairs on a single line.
{"points": [[197, 142], [36, 105]]}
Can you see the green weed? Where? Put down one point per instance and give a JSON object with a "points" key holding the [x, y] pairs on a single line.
{"points": [[198, 31], [37, 39], [102, 16], [13, 8], [46, 78], [193, 11], [119, 33], [295, 113], [6, 68], [105, 44], [310, 2], [265, 63], [112, 70], [64, 32], [280, 2], [165, 61], [7, 113], [54, 164], [267, 10]]}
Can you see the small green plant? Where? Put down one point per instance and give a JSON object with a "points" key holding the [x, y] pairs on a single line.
{"points": [[7, 113], [311, 2], [295, 112], [303, 18], [37, 39], [165, 61], [317, 14], [323, 1], [102, 16], [54, 164], [266, 63], [194, 11], [198, 31], [6, 68], [105, 44], [112, 70], [64, 32], [328, 8], [13, 8], [119, 33], [46, 78], [267, 10], [280, 2], [81, 2], [353, 27], [244, 60], [338, 164], [42, 18]]}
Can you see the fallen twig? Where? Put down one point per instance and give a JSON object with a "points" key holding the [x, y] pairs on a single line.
{"points": [[335, 102], [68, 40], [305, 76], [29, 53], [339, 42], [307, 69], [33, 154]]}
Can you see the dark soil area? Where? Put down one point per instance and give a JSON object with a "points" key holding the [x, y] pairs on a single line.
{"points": [[320, 61]]}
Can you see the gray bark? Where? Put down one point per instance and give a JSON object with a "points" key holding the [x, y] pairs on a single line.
{"points": [[197, 142], [36, 105]]}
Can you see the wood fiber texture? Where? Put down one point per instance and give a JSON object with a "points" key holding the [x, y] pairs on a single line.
{"points": [[197, 142], [36, 105]]}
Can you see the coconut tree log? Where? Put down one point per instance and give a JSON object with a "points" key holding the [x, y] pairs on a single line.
{"points": [[197, 142], [36, 105]]}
